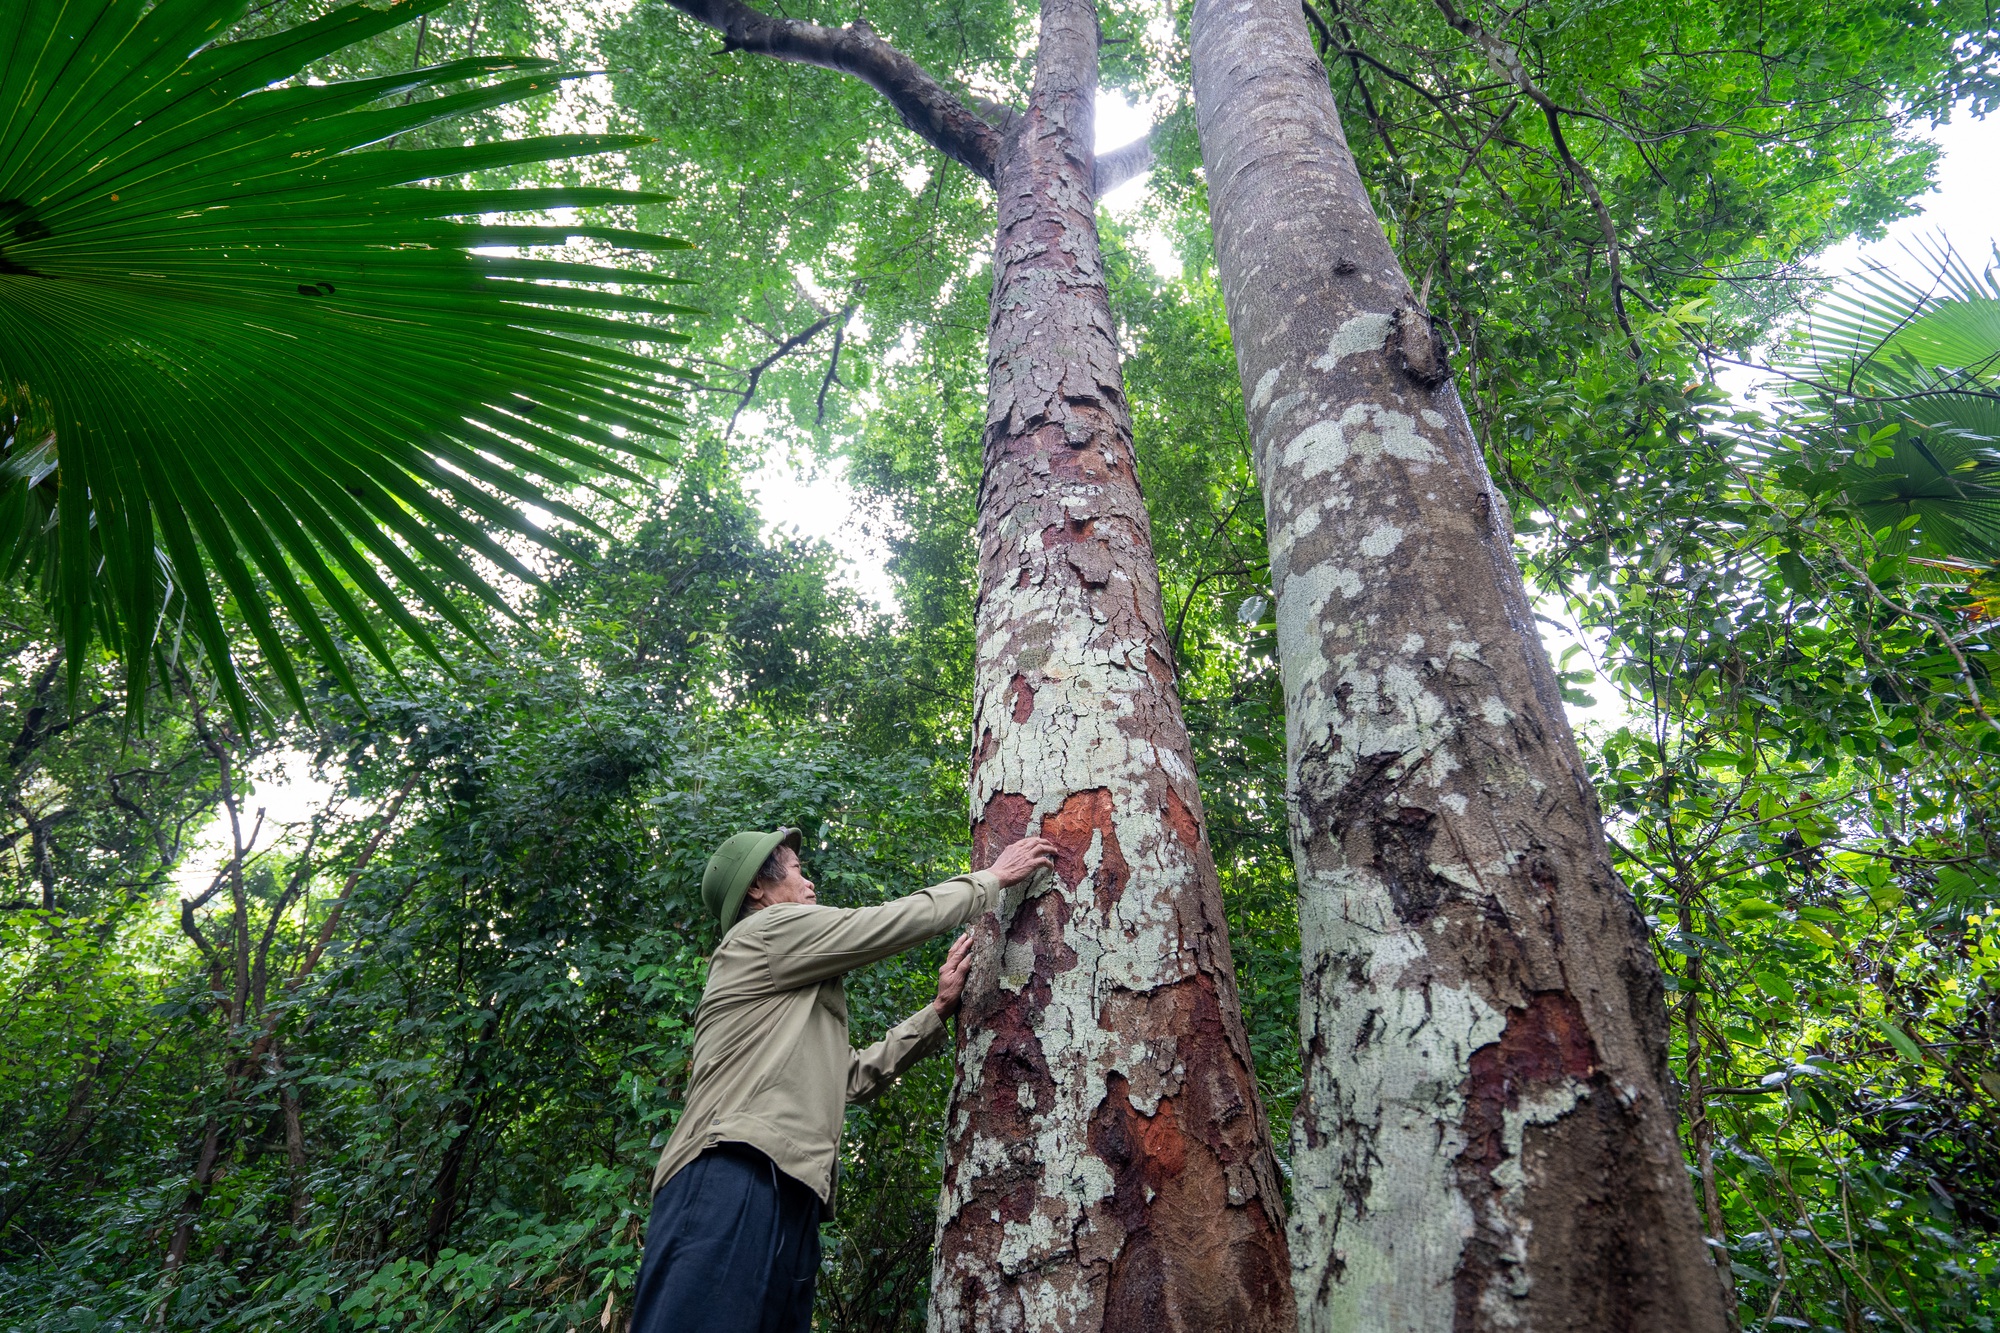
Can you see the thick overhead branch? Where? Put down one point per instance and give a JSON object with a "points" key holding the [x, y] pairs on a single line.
{"points": [[925, 105], [998, 114], [1122, 164]]}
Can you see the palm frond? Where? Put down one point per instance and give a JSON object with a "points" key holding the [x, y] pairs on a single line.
{"points": [[253, 369], [1909, 374], [1879, 322], [1949, 485]]}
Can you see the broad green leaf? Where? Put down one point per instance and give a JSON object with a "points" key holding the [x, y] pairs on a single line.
{"points": [[241, 357], [1900, 1039], [1777, 986]]}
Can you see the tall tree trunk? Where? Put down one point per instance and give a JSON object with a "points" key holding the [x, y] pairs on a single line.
{"points": [[1109, 1163], [295, 1148], [1486, 1138], [449, 1182]]}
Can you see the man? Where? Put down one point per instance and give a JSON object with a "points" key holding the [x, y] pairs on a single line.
{"points": [[733, 1242]]}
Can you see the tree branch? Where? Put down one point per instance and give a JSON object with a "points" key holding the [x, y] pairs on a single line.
{"points": [[998, 114], [785, 349], [332, 922], [1345, 45], [301, 872], [832, 375], [1122, 164], [926, 106]]}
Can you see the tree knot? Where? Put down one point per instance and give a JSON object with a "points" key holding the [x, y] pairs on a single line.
{"points": [[1418, 348]]}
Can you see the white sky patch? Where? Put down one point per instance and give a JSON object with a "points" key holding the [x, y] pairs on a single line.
{"points": [[1963, 209], [1119, 122], [814, 500], [811, 287], [1585, 650], [285, 788]]}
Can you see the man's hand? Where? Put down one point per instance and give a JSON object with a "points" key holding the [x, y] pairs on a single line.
{"points": [[1021, 860], [951, 977]]}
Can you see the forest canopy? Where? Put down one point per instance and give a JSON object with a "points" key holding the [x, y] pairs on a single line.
{"points": [[402, 1053]]}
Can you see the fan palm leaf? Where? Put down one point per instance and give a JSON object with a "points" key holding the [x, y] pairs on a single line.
{"points": [[1949, 484], [253, 369], [1910, 373], [1879, 321]]}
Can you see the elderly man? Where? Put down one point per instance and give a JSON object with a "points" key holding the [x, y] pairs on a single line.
{"points": [[733, 1242]]}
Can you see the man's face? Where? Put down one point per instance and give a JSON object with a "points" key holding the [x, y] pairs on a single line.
{"points": [[791, 886]]}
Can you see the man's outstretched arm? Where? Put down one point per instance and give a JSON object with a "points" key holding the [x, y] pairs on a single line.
{"points": [[807, 945]]}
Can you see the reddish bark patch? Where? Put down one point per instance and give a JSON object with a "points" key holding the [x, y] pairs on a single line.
{"points": [[1182, 821], [1024, 697], [1146, 1151], [1546, 1044], [1004, 820], [1085, 813], [1015, 1084], [1191, 1259]]}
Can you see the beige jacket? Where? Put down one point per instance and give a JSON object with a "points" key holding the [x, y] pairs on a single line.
{"points": [[772, 1067]]}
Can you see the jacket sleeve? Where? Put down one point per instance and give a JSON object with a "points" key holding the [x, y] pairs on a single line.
{"points": [[874, 1068], [805, 945]]}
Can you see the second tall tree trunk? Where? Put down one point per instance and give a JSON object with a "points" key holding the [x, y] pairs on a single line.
{"points": [[1109, 1164], [1486, 1138]]}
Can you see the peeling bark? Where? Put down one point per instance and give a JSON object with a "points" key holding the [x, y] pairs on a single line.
{"points": [[1109, 1162], [1486, 1138]]}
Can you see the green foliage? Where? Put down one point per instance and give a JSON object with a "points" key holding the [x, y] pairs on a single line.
{"points": [[237, 344], [486, 1061], [483, 1061]]}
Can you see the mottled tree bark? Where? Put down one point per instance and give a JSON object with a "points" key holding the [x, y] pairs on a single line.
{"points": [[1486, 1138], [1108, 1163]]}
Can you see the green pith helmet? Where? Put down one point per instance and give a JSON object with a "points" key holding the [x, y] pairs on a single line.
{"points": [[735, 865]]}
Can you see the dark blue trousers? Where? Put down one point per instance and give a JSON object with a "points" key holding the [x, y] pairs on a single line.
{"points": [[732, 1247]]}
